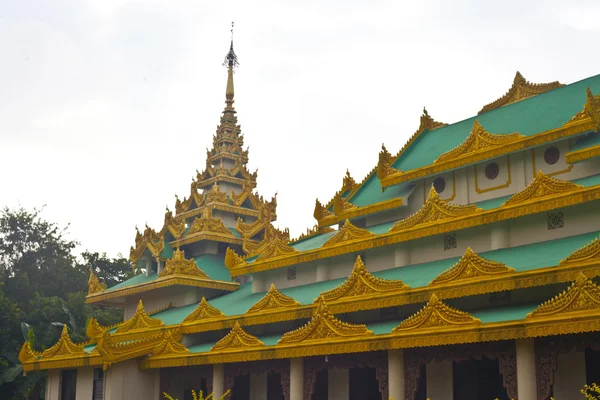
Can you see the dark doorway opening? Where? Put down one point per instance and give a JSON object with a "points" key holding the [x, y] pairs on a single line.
{"points": [[201, 386], [241, 388], [364, 384], [274, 388], [592, 366], [477, 379], [320, 392]]}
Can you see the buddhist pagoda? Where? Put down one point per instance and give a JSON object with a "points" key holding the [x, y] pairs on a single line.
{"points": [[463, 266]]}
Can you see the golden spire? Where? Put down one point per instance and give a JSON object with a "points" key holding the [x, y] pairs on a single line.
{"points": [[230, 62]]}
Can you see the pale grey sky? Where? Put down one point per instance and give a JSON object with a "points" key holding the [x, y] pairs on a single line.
{"points": [[107, 107]]}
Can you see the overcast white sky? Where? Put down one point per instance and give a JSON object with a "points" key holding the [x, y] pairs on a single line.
{"points": [[107, 107]]}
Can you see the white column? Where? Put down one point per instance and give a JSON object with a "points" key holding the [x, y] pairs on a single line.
{"points": [[396, 374], [53, 385], [258, 283], [296, 379], [218, 381], [258, 386], [338, 384], [569, 376], [322, 271], [526, 378], [401, 255], [160, 265], [500, 235], [440, 381], [148, 266], [85, 383]]}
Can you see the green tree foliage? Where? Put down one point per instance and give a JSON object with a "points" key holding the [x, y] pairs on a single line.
{"points": [[43, 286]]}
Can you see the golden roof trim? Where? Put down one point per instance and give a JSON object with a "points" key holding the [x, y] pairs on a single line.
{"points": [[204, 311], [316, 230], [384, 163], [436, 314], [237, 339], [271, 234], [321, 211], [94, 285], [591, 109], [360, 211], [324, 326], [113, 349], [583, 295], [206, 224], [179, 265], [541, 186], [587, 253], [479, 140], [151, 240], [94, 330], [520, 90], [587, 153], [471, 265], [64, 346], [434, 210], [170, 345], [348, 232], [360, 282], [139, 320], [272, 300], [276, 248]]}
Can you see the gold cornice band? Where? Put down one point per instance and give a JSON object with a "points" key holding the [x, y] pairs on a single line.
{"points": [[582, 155], [360, 211]]}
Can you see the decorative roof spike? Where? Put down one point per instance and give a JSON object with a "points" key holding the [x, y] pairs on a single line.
{"points": [[273, 299], [325, 326], [203, 311], [520, 90], [320, 211], [231, 62], [471, 265], [232, 258], [591, 109], [346, 233], [27, 354], [361, 282], [237, 338], [140, 320], [170, 345], [436, 314], [64, 346], [588, 253], [541, 186], [384, 165], [582, 295], [179, 265], [94, 285]]}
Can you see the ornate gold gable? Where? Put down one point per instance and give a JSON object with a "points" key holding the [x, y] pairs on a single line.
{"points": [[94, 286], [275, 248], [27, 354], [520, 89], [170, 344], [64, 346], [273, 299], [434, 315], [589, 252], [321, 211], [470, 266], [203, 311], [237, 338], [94, 330], [348, 232], [340, 204], [361, 282], [177, 229], [179, 265], [151, 240], [324, 325], [435, 209], [114, 350], [310, 232], [206, 224], [271, 234], [542, 186], [591, 109], [478, 140], [384, 165], [232, 258], [582, 295], [140, 320]]}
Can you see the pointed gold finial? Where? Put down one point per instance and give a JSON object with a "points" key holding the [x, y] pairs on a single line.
{"points": [[231, 62]]}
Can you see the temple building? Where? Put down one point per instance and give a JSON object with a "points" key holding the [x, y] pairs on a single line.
{"points": [[463, 267]]}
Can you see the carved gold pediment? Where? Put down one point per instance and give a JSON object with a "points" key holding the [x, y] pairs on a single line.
{"points": [[348, 183], [232, 258], [215, 195], [542, 186], [275, 248], [324, 325], [64, 346], [140, 320], [589, 252], [591, 109], [310, 232], [114, 350], [27, 354], [321, 211], [361, 282], [471, 265], [340, 204], [435, 209], [169, 345], [179, 265], [177, 229], [94, 286], [95, 330], [582, 295], [273, 299], [206, 224], [434, 315], [237, 338], [151, 240], [384, 164], [520, 89], [203, 311], [478, 140], [346, 233]]}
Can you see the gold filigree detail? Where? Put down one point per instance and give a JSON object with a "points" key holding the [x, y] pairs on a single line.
{"points": [[324, 325], [179, 265], [276, 248], [203, 311], [479, 140], [591, 109], [348, 183], [215, 195], [237, 338], [471, 265], [310, 232], [589, 252], [542, 186], [27, 354], [435, 209], [273, 299], [582, 295], [209, 224], [340, 204], [151, 240], [271, 234], [113, 349], [170, 345], [320, 211], [64, 346], [94, 286], [384, 165], [232, 258], [177, 229], [361, 282], [95, 330], [346, 233], [520, 89], [436, 314], [140, 320]]}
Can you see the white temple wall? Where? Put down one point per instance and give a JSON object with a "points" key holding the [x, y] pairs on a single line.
{"points": [[229, 219], [338, 384], [510, 179], [570, 375], [153, 300], [53, 385], [85, 383], [380, 258], [125, 381], [439, 380], [229, 187]]}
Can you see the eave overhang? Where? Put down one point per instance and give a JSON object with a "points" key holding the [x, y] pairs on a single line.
{"points": [[217, 206], [582, 154]]}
